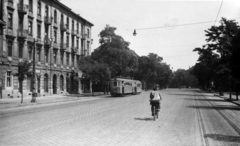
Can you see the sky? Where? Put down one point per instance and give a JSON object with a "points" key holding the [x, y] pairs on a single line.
{"points": [[170, 29]]}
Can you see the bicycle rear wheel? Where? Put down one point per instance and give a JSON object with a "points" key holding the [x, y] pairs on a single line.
{"points": [[154, 113]]}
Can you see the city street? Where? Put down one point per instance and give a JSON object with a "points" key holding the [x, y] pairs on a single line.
{"points": [[188, 117]]}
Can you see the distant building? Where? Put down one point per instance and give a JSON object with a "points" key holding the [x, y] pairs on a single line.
{"points": [[60, 38]]}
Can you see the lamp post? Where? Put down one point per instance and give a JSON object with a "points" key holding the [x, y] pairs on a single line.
{"points": [[34, 93]]}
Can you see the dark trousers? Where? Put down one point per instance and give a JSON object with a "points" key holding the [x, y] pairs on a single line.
{"points": [[156, 104]]}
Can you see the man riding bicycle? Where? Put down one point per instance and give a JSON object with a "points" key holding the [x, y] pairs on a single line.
{"points": [[155, 99]]}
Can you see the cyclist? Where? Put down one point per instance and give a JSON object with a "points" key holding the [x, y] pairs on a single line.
{"points": [[155, 99]]}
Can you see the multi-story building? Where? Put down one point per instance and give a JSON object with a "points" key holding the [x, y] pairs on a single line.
{"points": [[59, 37]]}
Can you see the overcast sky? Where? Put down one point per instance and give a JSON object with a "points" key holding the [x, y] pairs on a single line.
{"points": [[152, 18]]}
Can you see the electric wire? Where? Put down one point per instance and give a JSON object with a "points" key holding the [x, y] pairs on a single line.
{"points": [[218, 12]]}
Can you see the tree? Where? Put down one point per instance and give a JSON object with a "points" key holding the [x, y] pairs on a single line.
{"points": [[23, 72], [114, 51], [94, 71], [215, 55]]}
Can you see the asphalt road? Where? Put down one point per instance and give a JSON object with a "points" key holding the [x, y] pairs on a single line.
{"points": [[187, 118]]}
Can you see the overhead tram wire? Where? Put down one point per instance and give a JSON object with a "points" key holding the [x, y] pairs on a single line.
{"points": [[218, 12]]}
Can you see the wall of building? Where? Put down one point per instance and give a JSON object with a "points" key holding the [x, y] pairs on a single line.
{"points": [[53, 71]]}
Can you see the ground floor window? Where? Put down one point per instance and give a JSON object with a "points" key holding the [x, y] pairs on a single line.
{"points": [[45, 83], [61, 83], [9, 79]]}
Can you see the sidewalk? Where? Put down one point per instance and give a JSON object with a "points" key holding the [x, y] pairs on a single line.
{"points": [[226, 97], [9, 103]]}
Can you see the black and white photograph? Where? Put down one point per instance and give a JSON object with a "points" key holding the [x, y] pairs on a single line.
{"points": [[119, 73]]}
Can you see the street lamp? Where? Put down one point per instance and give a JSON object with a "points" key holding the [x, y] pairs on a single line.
{"points": [[134, 32], [34, 93]]}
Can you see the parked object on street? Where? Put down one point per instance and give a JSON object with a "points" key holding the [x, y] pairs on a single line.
{"points": [[121, 86]]}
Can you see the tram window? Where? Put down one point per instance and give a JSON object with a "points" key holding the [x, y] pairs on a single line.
{"points": [[115, 83]]}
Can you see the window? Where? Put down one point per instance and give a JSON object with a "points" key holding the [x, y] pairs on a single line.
{"points": [[46, 31], [30, 52], [67, 59], [61, 58], [20, 51], [73, 59], [46, 55], [38, 54], [55, 36], [55, 16], [20, 22], [77, 28], [10, 20], [61, 83], [30, 5], [62, 18], [39, 30], [55, 57], [67, 40], [46, 11], [30, 25], [10, 47], [72, 41], [72, 24], [9, 79], [88, 33], [39, 8], [67, 23], [77, 43]]}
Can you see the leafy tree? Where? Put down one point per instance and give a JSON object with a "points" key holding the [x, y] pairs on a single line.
{"points": [[94, 71], [215, 55], [114, 51], [23, 72]]}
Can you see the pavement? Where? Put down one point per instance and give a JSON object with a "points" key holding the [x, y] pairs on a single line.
{"points": [[9, 103], [226, 96], [13, 103]]}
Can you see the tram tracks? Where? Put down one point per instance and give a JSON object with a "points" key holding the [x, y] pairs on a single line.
{"points": [[202, 127]]}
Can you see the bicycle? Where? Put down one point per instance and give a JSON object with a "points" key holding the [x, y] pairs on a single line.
{"points": [[155, 109]]}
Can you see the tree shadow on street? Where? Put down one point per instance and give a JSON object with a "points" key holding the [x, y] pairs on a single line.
{"points": [[237, 108], [144, 119], [185, 95], [225, 138], [212, 100]]}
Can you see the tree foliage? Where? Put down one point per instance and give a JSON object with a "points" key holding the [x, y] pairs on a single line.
{"points": [[217, 62], [114, 52]]}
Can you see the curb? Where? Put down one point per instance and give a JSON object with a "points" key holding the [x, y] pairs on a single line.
{"points": [[20, 107]]}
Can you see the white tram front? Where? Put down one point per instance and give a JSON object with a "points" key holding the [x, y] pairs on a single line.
{"points": [[121, 86]]}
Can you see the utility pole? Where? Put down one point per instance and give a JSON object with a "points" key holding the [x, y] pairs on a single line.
{"points": [[34, 93], [2, 26]]}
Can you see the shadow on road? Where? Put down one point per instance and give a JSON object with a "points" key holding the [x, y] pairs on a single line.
{"points": [[144, 119], [185, 95], [225, 138], [212, 100], [217, 107]]}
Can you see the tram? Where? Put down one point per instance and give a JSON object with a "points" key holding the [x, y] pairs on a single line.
{"points": [[122, 86]]}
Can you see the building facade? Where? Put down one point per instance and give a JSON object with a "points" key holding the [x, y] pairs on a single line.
{"points": [[59, 38]]}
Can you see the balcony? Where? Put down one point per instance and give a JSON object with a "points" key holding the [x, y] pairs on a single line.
{"points": [[79, 34], [63, 26], [74, 32], [39, 41], [39, 18], [74, 49], [55, 45], [22, 9], [30, 38], [22, 33], [48, 20], [9, 32], [63, 46], [30, 14], [47, 41], [10, 4]]}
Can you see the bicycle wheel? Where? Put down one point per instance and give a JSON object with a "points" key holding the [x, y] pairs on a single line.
{"points": [[154, 113]]}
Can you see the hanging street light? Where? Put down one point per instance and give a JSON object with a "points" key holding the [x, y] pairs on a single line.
{"points": [[134, 32]]}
